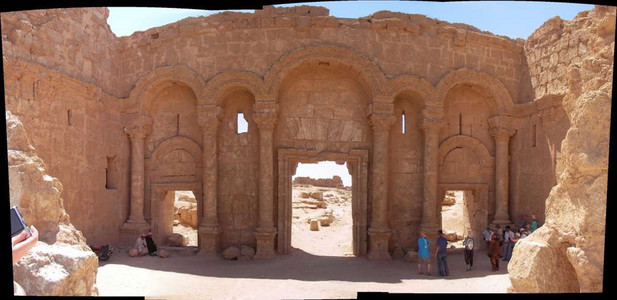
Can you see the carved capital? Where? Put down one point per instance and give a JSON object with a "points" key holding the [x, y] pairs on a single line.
{"points": [[137, 131], [501, 133], [381, 122], [265, 114], [431, 126]]}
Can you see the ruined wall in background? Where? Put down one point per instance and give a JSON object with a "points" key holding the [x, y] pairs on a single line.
{"points": [[567, 253]]}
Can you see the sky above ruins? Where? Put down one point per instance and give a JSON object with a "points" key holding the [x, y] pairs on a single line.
{"points": [[507, 18]]}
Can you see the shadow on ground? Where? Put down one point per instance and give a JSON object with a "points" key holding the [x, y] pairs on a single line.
{"points": [[300, 265]]}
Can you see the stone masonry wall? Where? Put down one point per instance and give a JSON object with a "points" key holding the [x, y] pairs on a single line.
{"points": [[567, 253]]}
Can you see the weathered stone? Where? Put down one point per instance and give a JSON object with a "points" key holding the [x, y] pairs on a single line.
{"points": [[133, 252], [231, 253], [398, 253], [246, 251], [162, 253], [314, 225], [411, 256], [60, 264], [176, 240]]}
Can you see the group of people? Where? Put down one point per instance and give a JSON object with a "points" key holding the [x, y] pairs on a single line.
{"points": [[145, 245], [499, 244], [424, 255]]}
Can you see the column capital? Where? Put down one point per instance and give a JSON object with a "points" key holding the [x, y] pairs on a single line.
{"points": [[431, 125], [381, 122], [265, 114], [501, 132], [501, 127], [138, 131]]}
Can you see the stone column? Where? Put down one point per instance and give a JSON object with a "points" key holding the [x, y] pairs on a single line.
{"points": [[209, 228], [381, 118], [265, 116], [501, 130], [137, 134], [431, 126]]}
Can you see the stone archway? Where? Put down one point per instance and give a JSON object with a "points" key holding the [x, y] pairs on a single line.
{"points": [[162, 206], [357, 163]]}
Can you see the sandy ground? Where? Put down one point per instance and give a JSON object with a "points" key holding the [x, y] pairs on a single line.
{"points": [[320, 266]]}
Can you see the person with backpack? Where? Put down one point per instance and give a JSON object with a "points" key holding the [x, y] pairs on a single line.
{"points": [[468, 243]]}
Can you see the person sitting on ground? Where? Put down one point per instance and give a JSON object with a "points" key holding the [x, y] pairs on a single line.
{"points": [[424, 256], [140, 245], [150, 244]]}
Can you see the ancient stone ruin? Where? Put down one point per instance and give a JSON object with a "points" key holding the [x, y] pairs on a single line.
{"points": [[60, 264], [414, 106]]}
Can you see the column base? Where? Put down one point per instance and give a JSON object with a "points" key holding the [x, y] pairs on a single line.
{"points": [[209, 237], [138, 227], [501, 221], [378, 244], [265, 243]]}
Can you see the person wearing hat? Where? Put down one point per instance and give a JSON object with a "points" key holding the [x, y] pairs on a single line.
{"points": [[493, 251], [424, 255]]}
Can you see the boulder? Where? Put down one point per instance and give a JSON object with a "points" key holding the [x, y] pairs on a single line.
{"points": [[451, 236], [61, 263], [246, 251], [398, 253], [162, 253], [305, 195], [231, 253], [133, 252], [411, 256], [176, 240]]}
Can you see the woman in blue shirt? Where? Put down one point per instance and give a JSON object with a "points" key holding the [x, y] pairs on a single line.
{"points": [[424, 256]]}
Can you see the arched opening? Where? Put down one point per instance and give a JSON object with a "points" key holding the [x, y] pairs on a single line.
{"points": [[186, 219]]}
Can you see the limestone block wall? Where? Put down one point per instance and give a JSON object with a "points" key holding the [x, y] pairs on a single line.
{"points": [[75, 41], [398, 43], [57, 70], [569, 248]]}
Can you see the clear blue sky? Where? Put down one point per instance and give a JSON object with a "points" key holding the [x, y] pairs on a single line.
{"points": [[508, 18]]}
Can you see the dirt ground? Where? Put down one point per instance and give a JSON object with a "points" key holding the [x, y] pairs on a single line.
{"points": [[321, 266]]}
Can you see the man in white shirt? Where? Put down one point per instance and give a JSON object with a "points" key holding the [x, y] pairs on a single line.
{"points": [[468, 243]]}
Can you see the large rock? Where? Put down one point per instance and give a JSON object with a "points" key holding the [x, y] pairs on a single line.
{"points": [[186, 213], [567, 253], [231, 253], [61, 263], [176, 240]]}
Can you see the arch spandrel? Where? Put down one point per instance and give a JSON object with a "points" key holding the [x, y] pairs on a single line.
{"points": [[414, 84], [501, 98], [161, 78], [225, 83], [344, 59]]}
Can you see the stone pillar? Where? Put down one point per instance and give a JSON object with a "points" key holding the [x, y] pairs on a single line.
{"points": [[265, 116], [209, 229], [431, 124], [381, 118], [501, 130], [137, 134]]}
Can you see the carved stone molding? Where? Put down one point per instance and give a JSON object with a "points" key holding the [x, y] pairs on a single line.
{"points": [[381, 122], [501, 127], [500, 133], [209, 117], [138, 131]]}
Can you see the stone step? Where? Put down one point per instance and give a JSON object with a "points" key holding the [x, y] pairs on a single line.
{"points": [[184, 251]]}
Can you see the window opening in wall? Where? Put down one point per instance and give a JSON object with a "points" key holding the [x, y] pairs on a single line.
{"points": [[178, 124], [403, 122], [69, 116], [242, 124], [460, 124], [185, 218], [455, 221], [533, 136], [111, 174], [321, 209]]}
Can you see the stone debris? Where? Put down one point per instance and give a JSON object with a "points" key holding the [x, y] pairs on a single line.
{"points": [[314, 224], [176, 240], [231, 253]]}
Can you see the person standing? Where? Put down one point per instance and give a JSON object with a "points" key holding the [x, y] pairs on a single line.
{"points": [[487, 236], [440, 254], [534, 223], [493, 251], [424, 256], [468, 243], [508, 240]]}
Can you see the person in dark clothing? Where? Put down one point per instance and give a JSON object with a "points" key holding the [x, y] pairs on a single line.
{"points": [[151, 245], [468, 243], [440, 254]]}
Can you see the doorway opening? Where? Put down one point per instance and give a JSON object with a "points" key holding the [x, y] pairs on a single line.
{"points": [[322, 222], [185, 221], [455, 217]]}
